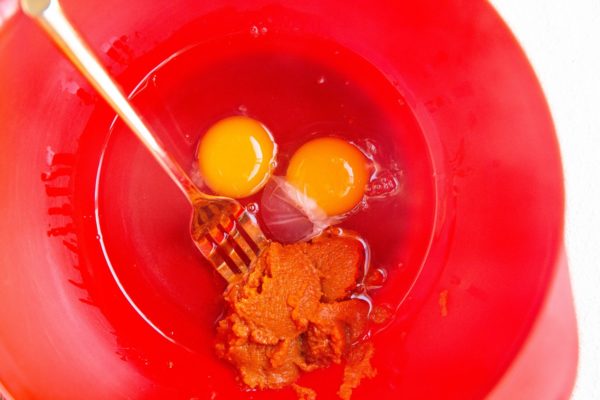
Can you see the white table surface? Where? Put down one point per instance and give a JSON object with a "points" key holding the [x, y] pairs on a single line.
{"points": [[562, 41]]}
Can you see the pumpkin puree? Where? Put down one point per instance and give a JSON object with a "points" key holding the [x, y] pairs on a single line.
{"points": [[292, 313]]}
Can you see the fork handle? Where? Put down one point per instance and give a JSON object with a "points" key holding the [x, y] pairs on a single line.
{"points": [[50, 16]]}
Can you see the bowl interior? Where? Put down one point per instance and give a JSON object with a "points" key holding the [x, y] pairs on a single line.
{"points": [[95, 256]]}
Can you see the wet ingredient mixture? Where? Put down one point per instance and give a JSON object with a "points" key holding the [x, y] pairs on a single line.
{"points": [[293, 313]]}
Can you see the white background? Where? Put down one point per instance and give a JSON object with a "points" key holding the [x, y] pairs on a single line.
{"points": [[562, 41]]}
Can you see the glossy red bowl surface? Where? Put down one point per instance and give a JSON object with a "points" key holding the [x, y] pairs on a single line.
{"points": [[104, 295]]}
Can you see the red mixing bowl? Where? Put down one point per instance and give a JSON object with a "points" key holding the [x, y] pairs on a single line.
{"points": [[104, 295]]}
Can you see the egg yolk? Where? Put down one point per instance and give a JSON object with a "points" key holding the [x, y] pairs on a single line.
{"points": [[330, 171], [236, 156]]}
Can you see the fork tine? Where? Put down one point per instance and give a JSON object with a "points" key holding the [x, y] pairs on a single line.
{"points": [[247, 223], [241, 241], [209, 251], [223, 269], [232, 253], [228, 236], [243, 253]]}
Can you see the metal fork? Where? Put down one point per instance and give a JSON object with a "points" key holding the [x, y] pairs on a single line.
{"points": [[224, 231]]}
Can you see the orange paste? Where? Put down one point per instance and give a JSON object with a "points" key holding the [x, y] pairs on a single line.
{"points": [[292, 313]]}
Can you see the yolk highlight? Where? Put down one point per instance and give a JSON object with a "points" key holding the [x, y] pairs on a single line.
{"points": [[236, 156], [330, 171]]}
